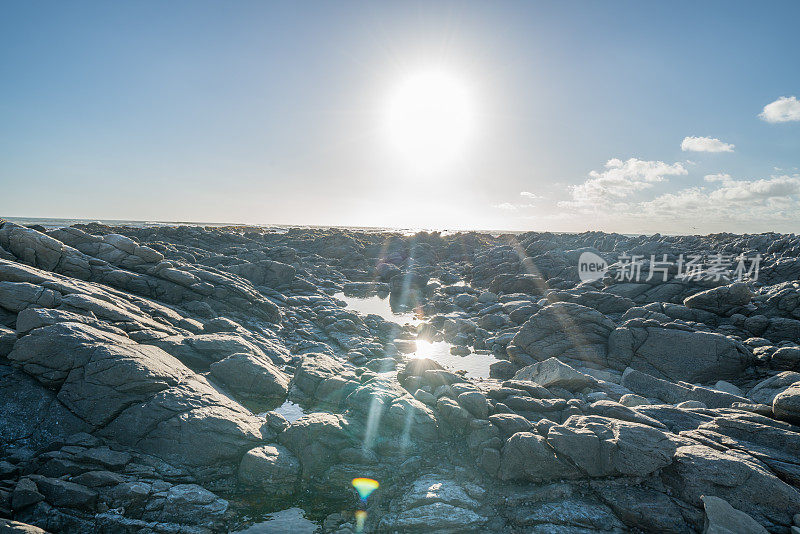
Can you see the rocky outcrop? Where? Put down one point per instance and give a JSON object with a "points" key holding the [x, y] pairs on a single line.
{"points": [[190, 379], [136, 394], [564, 330], [676, 353]]}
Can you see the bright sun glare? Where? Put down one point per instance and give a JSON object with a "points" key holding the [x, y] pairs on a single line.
{"points": [[430, 117]]}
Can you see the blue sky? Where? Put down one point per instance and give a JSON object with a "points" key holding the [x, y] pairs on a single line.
{"points": [[273, 113]]}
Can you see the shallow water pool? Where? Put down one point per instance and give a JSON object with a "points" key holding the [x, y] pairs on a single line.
{"points": [[378, 305], [476, 365], [290, 520]]}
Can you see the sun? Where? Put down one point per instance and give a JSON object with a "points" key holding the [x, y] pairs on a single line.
{"points": [[430, 116]]}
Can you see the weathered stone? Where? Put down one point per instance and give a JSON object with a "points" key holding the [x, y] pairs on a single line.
{"points": [[250, 377], [675, 354], [553, 372], [271, 469], [605, 447], [527, 456], [722, 518], [562, 330]]}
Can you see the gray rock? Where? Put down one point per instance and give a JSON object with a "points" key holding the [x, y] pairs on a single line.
{"points": [[722, 518], [735, 476], [137, 394], [475, 403], [785, 358], [436, 517], [631, 400], [315, 440], [7, 339], [64, 493], [250, 377], [562, 330], [691, 405], [672, 393], [786, 404], [25, 494], [271, 469], [607, 447], [615, 410], [553, 372], [527, 456], [765, 391], [8, 526], [675, 354], [721, 300]]}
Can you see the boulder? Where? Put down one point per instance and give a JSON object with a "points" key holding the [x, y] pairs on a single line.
{"points": [[722, 518], [721, 300], [765, 391], [137, 394], [250, 377], [564, 330], [786, 404], [270, 469], [676, 354], [315, 439], [600, 446], [553, 372], [735, 476], [527, 456]]}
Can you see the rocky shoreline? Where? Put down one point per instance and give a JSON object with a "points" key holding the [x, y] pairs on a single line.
{"points": [[142, 371]]}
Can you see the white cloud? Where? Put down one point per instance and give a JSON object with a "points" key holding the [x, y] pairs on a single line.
{"points": [[705, 144], [782, 110], [776, 198], [528, 194], [619, 180], [508, 206]]}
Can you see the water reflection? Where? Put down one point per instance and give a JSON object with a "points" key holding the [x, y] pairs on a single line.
{"points": [[291, 520], [380, 305], [289, 410], [476, 365]]}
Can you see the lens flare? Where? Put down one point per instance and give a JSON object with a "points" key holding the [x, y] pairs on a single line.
{"points": [[365, 487], [361, 517]]}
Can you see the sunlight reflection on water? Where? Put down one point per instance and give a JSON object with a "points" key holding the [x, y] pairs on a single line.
{"points": [[378, 305], [476, 365]]}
